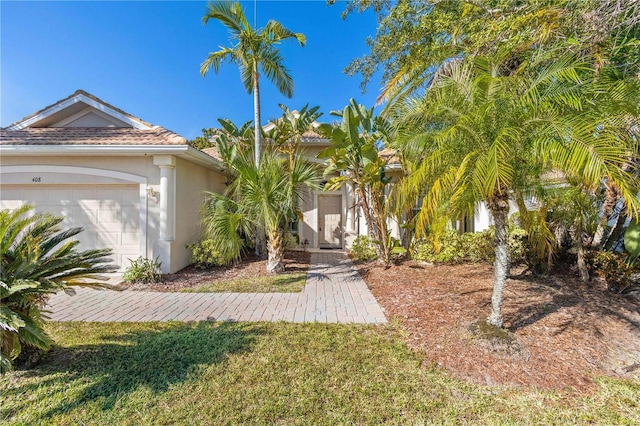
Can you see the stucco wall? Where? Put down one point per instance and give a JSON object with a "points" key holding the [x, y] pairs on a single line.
{"points": [[191, 182]]}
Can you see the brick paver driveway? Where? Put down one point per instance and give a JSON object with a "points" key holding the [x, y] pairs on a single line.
{"points": [[334, 293]]}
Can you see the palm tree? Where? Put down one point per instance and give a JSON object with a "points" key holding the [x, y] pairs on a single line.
{"points": [[260, 195], [289, 130], [38, 259], [254, 52], [487, 135], [354, 155]]}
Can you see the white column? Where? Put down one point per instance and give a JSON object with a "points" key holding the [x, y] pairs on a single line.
{"points": [[167, 165]]}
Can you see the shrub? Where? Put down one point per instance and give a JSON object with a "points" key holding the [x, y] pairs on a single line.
{"points": [[618, 270], [38, 259], [470, 247], [143, 270], [204, 254], [291, 241], [363, 248]]}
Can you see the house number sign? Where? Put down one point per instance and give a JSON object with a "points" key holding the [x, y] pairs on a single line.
{"points": [[36, 179]]}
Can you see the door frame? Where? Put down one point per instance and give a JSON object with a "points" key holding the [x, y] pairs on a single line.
{"points": [[317, 198]]}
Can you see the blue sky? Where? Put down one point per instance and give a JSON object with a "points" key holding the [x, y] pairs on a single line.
{"points": [[144, 57]]}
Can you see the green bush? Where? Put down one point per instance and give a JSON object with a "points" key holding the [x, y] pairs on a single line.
{"points": [[470, 247], [619, 271], [363, 248], [143, 270], [291, 241], [38, 258], [204, 255]]}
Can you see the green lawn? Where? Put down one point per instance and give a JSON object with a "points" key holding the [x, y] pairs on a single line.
{"points": [[271, 373], [281, 283]]}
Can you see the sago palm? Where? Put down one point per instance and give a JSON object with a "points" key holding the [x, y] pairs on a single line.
{"points": [[486, 135], [38, 258], [260, 195], [254, 52]]}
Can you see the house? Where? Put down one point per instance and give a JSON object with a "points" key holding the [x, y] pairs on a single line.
{"points": [[332, 219], [135, 187]]}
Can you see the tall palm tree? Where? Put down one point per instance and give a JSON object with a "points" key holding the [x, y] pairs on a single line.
{"points": [[488, 134], [254, 52], [260, 195]]}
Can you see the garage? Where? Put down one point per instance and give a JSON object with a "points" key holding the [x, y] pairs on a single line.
{"points": [[134, 187], [110, 214]]}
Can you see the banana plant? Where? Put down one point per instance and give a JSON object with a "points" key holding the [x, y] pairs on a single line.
{"points": [[353, 158]]}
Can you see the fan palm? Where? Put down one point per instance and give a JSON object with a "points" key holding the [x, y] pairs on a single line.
{"points": [[38, 259], [486, 135], [260, 195], [254, 52]]}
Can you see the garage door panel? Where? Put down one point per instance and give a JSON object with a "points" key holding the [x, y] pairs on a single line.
{"points": [[62, 195], [111, 194], [130, 197], [109, 214], [108, 239], [129, 238], [84, 194]]}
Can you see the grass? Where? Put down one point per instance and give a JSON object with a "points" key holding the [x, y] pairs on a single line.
{"points": [[281, 283], [268, 373]]}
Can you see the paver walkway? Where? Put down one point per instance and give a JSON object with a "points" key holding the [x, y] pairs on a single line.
{"points": [[334, 293]]}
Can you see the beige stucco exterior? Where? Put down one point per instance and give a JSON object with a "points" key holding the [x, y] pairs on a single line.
{"points": [[136, 188], [191, 180]]}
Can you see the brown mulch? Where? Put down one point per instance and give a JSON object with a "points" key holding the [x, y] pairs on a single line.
{"points": [[566, 333], [191, 277]]}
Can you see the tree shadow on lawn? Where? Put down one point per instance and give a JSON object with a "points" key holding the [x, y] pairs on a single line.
{"points": [[154, 358]]}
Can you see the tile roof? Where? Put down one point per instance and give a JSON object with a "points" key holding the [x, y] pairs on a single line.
{"points": [[213, 152], [88, 95], [90, 136], [313, 136], [389, 155]]}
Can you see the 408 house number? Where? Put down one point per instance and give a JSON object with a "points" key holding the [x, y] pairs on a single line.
{"points": [[36, 179]]}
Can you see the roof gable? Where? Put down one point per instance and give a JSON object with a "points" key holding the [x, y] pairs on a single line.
{"points": [[81, 109], [310, 137]]}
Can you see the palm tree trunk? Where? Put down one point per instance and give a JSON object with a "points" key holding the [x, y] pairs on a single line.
{"points": [[499, 208], [275, 248], [578, 244], [618, 228], [364, 205], [260, 240], [381, 223], [256, 114], [612, 196], [373, 227]]}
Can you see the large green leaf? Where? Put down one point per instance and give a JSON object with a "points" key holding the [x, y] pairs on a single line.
{"points": [[327, 153], [9, 320], [632, 239], [369, 154]]}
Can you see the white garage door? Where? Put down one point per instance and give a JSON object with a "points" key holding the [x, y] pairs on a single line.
{"points": [[110, 214]]}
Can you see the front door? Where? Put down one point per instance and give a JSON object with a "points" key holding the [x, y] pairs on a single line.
{"points": [[329, 221]]}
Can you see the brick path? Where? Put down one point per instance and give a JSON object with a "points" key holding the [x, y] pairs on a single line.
{"points": [[334, 293]]}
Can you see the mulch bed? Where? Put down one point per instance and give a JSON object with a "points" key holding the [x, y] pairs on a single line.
{"points": [[566, 333], [191, 277]]}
